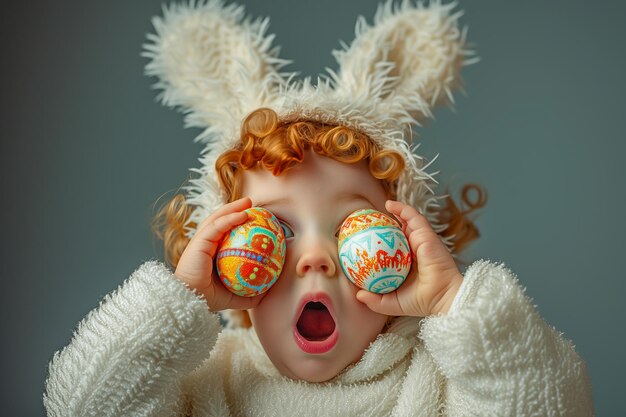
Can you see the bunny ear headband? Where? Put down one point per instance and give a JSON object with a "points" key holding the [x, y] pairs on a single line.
{"points": [[217, 66]]}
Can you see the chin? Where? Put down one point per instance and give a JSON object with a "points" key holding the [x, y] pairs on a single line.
{"points": [[318, 378], [313, 371]]}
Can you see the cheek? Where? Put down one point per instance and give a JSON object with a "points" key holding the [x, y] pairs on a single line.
{"points": [[358, 319], [273, 313]]}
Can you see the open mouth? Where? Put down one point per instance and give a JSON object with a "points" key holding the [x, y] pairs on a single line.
{"points": [[315, 331], [315, 322]]}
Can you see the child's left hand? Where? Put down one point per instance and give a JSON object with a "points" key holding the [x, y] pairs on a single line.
{"points": [[434, 279]]}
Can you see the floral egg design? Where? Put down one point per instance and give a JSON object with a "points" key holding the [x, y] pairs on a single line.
{"points": [[251, 256], [373, 251]]}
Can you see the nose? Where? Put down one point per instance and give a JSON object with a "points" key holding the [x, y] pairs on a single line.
{"points": [[316, 257]]}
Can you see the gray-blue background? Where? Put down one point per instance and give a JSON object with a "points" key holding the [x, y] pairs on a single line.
{"points": [[86, 152]]}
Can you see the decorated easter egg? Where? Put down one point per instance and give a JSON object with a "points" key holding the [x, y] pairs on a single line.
{"points": [[373, 251], [251, 256]]}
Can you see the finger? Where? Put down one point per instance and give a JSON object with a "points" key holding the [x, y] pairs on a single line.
{"points": [[234, 206], [209, 237], [395, 207], [228, 300], [237, 205], [245, 303], [222, 299], [387, 304], [414, 219], [404, 213], [418, 227], [424, 241]]}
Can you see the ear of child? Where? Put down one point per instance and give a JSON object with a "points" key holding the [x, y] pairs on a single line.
{"points": [[196, 265], [434, 279]]}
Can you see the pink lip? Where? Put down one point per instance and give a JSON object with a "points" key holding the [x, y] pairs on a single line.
{"points": [[320, 346]]}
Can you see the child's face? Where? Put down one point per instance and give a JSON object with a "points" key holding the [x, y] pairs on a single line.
{"points": [[312, 200]]}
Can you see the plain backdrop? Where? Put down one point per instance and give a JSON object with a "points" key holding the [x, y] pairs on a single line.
{"points": [[86, 153]]}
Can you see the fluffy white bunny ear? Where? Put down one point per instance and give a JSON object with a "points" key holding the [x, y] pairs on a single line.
{"points": [[407, 62], [214, 64]]}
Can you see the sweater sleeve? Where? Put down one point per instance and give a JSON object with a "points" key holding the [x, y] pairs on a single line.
{"points": [[129, 356], [500, 358]]}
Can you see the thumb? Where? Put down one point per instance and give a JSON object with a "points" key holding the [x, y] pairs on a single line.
{"points": [[386, 304]]}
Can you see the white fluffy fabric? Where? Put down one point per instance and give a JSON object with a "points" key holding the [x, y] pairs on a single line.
{"points": [[217, 66], [153, 349]]}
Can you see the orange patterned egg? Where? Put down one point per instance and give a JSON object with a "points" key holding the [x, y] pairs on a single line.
{"points": [[251, 256], [373, 251]]}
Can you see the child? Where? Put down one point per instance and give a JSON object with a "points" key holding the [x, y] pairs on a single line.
{"points": [[442, 344]]}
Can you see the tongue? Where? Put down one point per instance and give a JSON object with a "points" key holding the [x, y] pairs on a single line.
{"points": [[316, 324]]}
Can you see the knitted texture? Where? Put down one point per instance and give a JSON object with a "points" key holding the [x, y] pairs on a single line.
{"points": [[144, 351], [129, 355], [500, 357]]}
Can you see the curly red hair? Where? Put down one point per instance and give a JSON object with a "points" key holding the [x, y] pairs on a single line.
{"points": [[277, 146]]}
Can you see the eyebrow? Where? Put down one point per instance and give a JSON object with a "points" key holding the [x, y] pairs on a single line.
{"points": [[273, 202], [354, 196], [340, 197]]}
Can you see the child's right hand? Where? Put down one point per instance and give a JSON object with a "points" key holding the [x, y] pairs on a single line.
{"points": [[195, 267]]}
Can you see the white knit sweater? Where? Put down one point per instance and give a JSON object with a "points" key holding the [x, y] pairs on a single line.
{"points": [[153, 349]]}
